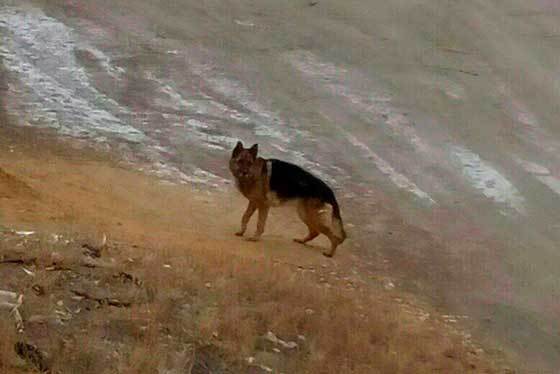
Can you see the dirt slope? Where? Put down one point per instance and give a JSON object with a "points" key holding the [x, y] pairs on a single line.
{"points": [[171, 247]]}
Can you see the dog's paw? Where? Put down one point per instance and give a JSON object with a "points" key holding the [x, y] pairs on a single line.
{"points": [[300, 241], [240, 233], [327, 254], [253, 239]]}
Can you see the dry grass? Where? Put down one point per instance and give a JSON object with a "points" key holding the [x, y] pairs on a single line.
{"points": [[232, 302], [7, 356], [212, 309], [201, 303]]}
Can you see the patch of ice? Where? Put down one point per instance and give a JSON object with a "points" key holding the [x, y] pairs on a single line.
{"points": [[523, 115], [528, 125], [40, 50], [197, 176], [551, 182], [266, 123], [105, 61], [532, 167], [373, 106], [397, 178], [542, 173], [194, 123], [202, 104], [487, 179], [244, 23]]}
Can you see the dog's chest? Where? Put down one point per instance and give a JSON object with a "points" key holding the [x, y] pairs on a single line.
{"points": [[251, 190]]}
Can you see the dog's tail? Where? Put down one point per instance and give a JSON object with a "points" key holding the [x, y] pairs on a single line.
{"points": [[337, 221]]}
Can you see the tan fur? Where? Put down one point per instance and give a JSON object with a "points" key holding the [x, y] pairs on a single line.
{"points": [[317, 216], [253, 181]]}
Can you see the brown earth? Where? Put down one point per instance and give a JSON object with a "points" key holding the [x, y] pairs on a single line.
{"points": [[174, 288]]}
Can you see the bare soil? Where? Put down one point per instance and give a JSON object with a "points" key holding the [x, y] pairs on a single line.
{"points": [[173, 290]]}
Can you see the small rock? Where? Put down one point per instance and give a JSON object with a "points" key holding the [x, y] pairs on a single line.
{"points": [[309, 311], [266, 368], [25, 233], [271, 337], [57, 258], [288, 345], [60, 303], [301, 337], [38, 289], [389, 285], [276, 350], [28, 272]]}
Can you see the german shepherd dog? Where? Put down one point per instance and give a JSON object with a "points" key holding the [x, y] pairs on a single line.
{"points": [[269, 182]]}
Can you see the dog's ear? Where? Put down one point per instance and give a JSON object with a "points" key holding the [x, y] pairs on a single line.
{"points": [[254, 150], [238, 148]]}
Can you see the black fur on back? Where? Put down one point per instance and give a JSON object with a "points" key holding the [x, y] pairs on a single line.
{"points": [[290, 181]]}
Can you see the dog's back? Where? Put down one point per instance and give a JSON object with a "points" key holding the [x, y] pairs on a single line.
{"points": [[290, 181]]}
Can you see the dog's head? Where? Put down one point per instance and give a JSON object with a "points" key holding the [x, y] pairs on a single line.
{"points": [[243, 160]]}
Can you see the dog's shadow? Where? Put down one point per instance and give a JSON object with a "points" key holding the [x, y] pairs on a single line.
{"points": [[281, 243]]}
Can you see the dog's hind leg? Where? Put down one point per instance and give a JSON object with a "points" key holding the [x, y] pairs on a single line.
{"points": [[312, 235], [335, 241], [320, 217], [303, 213], [246, 217]]}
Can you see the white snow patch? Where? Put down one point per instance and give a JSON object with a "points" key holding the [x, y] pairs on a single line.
{"points": [[397, 178], [105, 61], [542, 173], [244, 23], [40, 50], [196, 176], [551, 182], [487, 179], [532, 167], [373, 106], [57, 91], [266, 123], [528, 125], [523, 115], [197, 124]]}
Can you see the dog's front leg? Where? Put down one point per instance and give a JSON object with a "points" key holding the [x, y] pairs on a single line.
{"points": [[246, 217], [263, 214]]}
